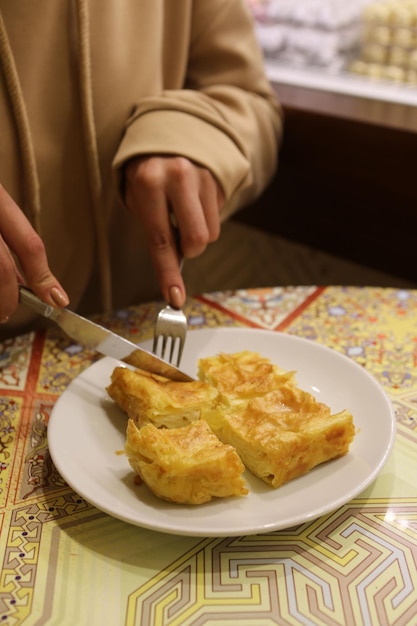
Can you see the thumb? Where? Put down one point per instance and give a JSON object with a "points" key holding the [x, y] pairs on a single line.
{"points": [[48, 289]]}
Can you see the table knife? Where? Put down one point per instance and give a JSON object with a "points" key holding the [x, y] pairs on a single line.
{"points": [[96, 337]]}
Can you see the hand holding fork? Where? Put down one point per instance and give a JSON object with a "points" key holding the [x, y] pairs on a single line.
{"points": [[153, 184]]}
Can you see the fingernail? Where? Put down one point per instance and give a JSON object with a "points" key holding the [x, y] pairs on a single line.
{"points": [[175, 297], [59, 298], [4, 320]]}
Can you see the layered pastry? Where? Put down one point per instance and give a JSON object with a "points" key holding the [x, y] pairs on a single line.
{"points": [[279, 431], [149, 398], [188, 465], [190, 441]]}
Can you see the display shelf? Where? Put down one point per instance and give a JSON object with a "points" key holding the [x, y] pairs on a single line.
{"points": [[342, 83]]}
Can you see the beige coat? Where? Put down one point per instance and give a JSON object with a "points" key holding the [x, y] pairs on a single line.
{"points": [[160, 76]]}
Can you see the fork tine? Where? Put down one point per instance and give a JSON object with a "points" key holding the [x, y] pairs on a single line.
{"points": [[159, 346], [171, 354], [164, 345], [155, 344], [175, 346], [178, 345], [180, 349]]}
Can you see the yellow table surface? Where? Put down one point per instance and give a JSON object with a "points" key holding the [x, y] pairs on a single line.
{"points": [[66, 563]]}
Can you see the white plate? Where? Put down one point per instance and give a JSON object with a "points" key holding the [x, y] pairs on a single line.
{"points": [[86, 431]]}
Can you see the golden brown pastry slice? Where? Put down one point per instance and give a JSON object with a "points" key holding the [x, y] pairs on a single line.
{"points": [[188, 465], [242, 376], [151, 398], [279, 446], [279, 431]]}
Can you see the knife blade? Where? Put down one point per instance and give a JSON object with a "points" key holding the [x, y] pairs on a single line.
{"points": [[96, 337]]}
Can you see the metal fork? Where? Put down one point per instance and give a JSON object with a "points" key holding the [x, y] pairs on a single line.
{"points": [[170, 332], [170, 325]]}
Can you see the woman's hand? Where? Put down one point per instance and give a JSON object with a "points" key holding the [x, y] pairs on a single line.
{"points": [[157, 186], [18, 238]]}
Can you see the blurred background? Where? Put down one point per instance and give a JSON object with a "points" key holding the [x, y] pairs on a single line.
{"points": [[373, 39], [342, 208]]}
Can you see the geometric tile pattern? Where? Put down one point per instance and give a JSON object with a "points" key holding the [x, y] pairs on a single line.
{"points": [[368, 569], [262, 308], [63, 562]]}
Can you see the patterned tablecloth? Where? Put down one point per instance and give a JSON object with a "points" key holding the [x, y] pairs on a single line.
{"points": [[65, 562]]}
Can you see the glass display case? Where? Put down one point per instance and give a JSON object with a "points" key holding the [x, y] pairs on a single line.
{"points": [[362, 47]]}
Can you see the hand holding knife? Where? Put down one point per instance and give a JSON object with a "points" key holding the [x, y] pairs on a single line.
{"points": [[96, 337]]}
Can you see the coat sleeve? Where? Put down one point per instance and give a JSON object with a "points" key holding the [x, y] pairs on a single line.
{"points": [[225, 116]]}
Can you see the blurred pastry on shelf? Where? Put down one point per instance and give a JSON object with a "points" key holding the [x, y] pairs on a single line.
{"points": [[388, 48]]}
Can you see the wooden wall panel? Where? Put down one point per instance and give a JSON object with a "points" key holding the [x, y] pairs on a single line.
{"points": [[346, 183]]}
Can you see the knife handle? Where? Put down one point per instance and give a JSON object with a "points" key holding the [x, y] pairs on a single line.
{"points": [[28, 298]]}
